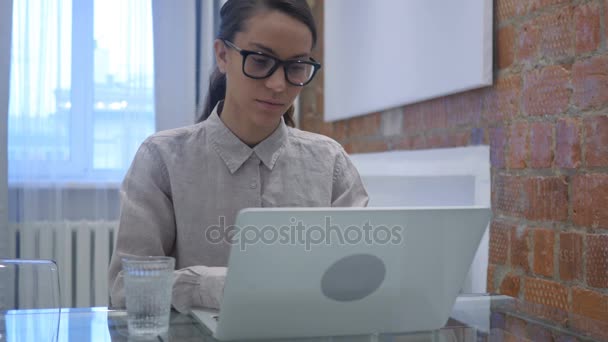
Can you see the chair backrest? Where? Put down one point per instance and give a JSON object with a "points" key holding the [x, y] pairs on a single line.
{"points": [[29, 300]]}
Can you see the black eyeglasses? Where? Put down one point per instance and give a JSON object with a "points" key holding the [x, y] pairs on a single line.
{"points": [[259, 65]]}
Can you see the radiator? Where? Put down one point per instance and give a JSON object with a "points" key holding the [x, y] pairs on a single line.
{"points": [[81, 249]]}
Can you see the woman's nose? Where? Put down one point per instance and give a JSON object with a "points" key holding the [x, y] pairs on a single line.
{"points": [[277, 81]]}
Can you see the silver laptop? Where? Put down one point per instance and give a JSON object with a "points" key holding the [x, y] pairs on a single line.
{"points": [[306, 272]]}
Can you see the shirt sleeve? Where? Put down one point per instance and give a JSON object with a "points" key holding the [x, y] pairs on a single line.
{"points": [[347, 189], [147, 227]]}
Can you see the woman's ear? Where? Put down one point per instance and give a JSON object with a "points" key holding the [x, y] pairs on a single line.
{"points": [[220, 55]]}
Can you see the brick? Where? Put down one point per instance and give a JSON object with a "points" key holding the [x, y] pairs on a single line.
{"points": [[589, 314], [411, 143], [546, 292], [307, 101], [587, 21], [498, 141], [547, 199], [570, 256], [506, 47], [477, 136], [309, 124], [326, 128], [589, 198], [506, 9], [491, 288], [363, 126], [434, 114], [520, 248], [536, 5], [557, 33], [606, 20], [538, 333], [413, 119], [547, 91], [499, 242], [590, 304], [516, 327], [544, 242], [498, 320], [448, 139], [541, 144], [509, 196], [545, 313], [590, 82], [518, 146], [340, 130], [568, 144], [534, 198], [596, 138], [366, 146], [464, 109], [503, 100], [597, 260], [510, 285], [528, 42]]}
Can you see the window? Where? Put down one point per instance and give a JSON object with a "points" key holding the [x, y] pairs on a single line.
{"points": [[81, 92]]}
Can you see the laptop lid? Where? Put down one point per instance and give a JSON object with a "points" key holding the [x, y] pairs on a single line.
{"points": [[304, 272]]}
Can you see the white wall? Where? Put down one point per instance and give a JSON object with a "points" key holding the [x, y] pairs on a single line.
{"points": [[174, 25], [387, 53], [438, 177]]}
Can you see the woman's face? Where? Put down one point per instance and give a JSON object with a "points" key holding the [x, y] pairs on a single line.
{"points": [[262, 102]]}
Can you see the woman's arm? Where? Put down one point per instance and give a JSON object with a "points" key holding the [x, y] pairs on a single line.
{"points": [[147, 227], [347, 189]]}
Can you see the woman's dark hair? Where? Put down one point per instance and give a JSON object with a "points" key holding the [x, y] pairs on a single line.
{"points": [[233, 16]]}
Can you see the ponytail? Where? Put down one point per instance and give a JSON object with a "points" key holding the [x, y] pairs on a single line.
{"points": [[217, 92]]}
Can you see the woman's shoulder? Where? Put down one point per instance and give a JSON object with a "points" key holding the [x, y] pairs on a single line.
{"points": [[314, 141], [176, 137]]}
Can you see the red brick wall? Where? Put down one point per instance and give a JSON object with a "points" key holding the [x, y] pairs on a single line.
{"points": [[546, 121]]}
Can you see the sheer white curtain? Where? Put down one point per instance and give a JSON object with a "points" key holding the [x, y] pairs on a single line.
{"points": [[81, 102], [89, 80]]}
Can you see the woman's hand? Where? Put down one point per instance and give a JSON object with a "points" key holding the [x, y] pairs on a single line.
{"points": [[198, 286]]}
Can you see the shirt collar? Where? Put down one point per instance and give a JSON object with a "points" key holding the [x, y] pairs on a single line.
{"points": [[234, 152]]}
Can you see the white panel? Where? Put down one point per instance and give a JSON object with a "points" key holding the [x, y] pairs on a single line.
{"points": [[28, 245], [101, 264], [46, 242], [63, 243], [387, 53], [83, 267]]}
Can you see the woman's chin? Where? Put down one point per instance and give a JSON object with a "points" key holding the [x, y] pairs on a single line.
{"points": [[267, 118]]}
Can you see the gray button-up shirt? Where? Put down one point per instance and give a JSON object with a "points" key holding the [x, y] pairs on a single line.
{"points": [[186, 180]]}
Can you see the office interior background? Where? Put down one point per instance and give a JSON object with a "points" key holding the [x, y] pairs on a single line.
{"points": [[71, 129]]}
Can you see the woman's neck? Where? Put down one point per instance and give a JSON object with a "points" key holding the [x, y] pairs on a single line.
{"points": [[246, 130]]}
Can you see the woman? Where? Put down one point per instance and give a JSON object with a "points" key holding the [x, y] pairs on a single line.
{"points": [[185, 181]]}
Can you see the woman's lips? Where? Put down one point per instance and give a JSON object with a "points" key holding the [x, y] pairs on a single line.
{"points": [[269, 104]]}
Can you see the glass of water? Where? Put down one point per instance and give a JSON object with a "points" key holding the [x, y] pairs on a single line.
{"points": [[148, 284]]}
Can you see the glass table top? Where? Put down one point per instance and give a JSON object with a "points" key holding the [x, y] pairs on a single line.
{"points": [[474, 318]]}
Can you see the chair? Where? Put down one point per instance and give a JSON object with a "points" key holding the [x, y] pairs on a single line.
{"points": [[30, 306]]}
